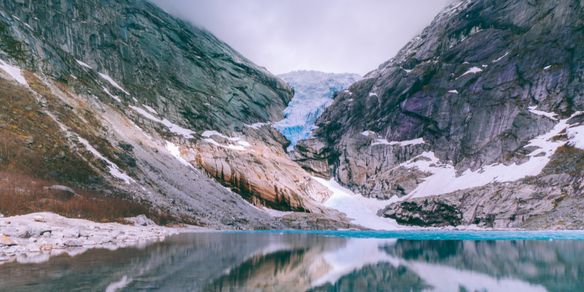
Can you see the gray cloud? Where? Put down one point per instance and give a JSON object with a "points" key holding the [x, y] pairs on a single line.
{"points": [[326, 35]]}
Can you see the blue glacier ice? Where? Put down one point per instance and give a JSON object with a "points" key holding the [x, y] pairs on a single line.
{"points": [[314, 91]]}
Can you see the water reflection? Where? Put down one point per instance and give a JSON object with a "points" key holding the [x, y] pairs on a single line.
{"points": [[305, 262]]}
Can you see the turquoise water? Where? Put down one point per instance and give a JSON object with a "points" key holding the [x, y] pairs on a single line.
{"points": [[439, 234], [319, 261]]}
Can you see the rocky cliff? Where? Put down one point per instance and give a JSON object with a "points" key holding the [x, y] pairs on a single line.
{"points": [[115, 108], [484, 103]]}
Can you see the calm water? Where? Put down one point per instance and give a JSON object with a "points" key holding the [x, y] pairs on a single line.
{"points": [[327, 261]]}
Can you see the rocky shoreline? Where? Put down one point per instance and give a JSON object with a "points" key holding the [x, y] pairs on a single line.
{"points": [[35, 237]]}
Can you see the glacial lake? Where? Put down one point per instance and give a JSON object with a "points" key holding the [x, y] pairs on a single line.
{"points": [[319, 261]]}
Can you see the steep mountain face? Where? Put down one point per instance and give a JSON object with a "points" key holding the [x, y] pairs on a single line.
{"points": [[484, 103], [115, 108], [313, 92], [163, 62]]}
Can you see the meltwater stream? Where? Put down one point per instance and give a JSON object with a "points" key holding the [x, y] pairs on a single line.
{"points": [[319, 261]]}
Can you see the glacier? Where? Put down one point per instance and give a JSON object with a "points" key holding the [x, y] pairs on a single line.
{"points": [[313, 92]]}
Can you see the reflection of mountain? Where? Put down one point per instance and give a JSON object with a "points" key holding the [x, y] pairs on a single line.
{"points": [[303, 262], [379, 277], [183, 262], [558, 265]]}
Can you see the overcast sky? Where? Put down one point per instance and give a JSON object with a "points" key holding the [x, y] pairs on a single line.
{"points": [[326, 35]]}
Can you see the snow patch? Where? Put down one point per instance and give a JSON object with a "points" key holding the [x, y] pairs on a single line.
{"points": [[174, 150], [112, 82], [576, 136], [241, 144], [114, 170], [14, 72], [362, 211], [368, 133], [115, 97], [472, 70], [172, 127], [257, 126], [501, 58], [118, 285], [83, 64], [443, 178], [533, 110], [150, 109], [398, 143]]}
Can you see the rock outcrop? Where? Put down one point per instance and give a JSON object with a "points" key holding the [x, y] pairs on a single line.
{"points": [[488, 60], [256, 166], [116, 100], [548, 201], [483, 91]]}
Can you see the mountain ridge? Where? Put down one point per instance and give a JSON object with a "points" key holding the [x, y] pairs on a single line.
{"points": [[483, 90]]}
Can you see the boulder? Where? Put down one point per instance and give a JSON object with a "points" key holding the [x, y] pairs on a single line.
{"points": [[140, 220]]}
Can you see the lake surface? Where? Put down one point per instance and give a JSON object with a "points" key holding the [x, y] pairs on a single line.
{"points": [[319, 261]]}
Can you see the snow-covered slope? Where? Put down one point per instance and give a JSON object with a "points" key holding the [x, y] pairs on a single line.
{"points": [[314, 91]]}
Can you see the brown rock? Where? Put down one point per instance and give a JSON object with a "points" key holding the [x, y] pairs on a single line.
{"points": [[257, 167]]}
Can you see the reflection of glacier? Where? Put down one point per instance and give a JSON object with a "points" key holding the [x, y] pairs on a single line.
{"points": [[314, 91]]}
